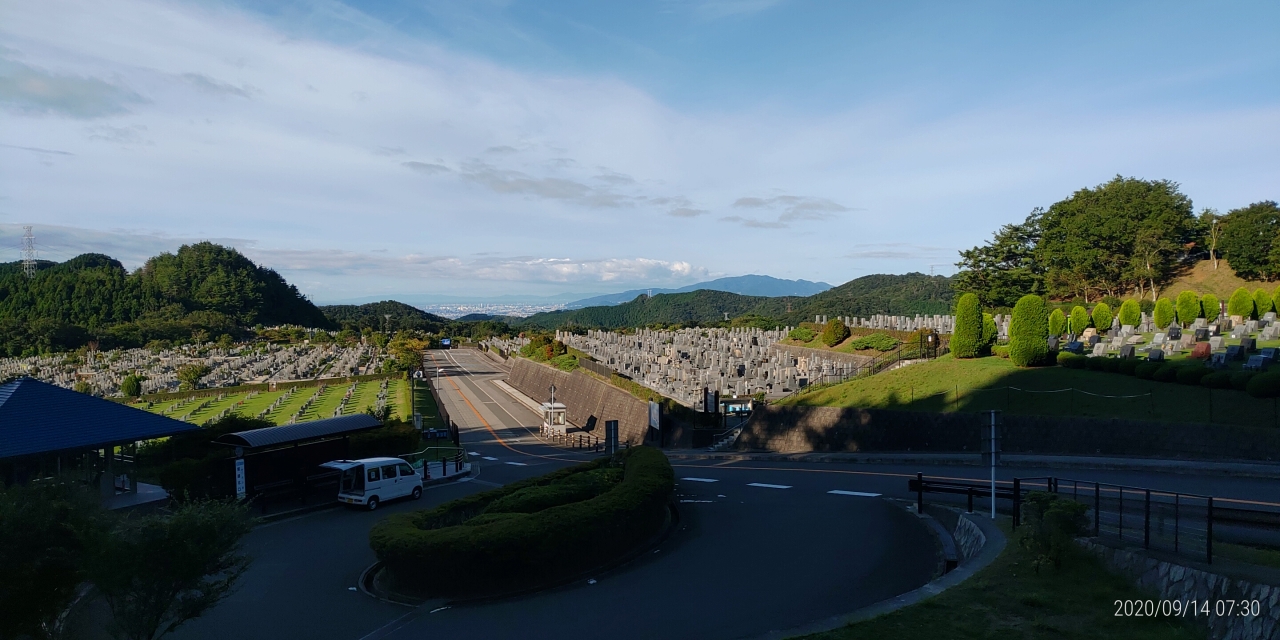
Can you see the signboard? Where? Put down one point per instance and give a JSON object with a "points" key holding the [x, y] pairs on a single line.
{"points": [[611, 436], [240, 489], [444, 342], [417, 421], [655, 415], [710, 400]]}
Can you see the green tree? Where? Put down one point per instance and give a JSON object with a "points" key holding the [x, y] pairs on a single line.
{"points": [[1004, 268], [189, 375], [1029, 332], [1211, 226], [1057, 323], [1102, 316], [1164, 314], [82, 386], [1240, 303], [1130, 313], [1209, 304], [45, 533], [157, 572], [131, 386], [1261, 302], [834, 332], [1079, 320], [966, 340], [1124, 234], [1248, 240], [990, 333], [1188, 306]]}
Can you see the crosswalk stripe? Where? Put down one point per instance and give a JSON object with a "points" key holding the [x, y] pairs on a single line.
{"points": [[517, 464], [863, 494], [768, 486], [699, 479], [488, 458]]}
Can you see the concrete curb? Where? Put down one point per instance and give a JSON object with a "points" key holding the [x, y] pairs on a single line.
{"points": [[1263, 470], [995, 545]]}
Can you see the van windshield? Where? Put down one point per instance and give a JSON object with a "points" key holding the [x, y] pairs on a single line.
{"points": [[353, 480]]}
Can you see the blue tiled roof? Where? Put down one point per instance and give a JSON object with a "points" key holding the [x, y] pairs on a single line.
{"points": [[37, 417], [301, 431]]}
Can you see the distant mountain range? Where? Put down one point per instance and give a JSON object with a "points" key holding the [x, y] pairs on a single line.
{"points": [[910, 294], [748, 285]]}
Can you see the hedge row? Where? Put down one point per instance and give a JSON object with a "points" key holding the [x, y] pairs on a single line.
{"points": [[1258, 385], [464, 549]]}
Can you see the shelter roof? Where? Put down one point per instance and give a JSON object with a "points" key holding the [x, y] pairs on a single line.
{"points": [[300, 432]]}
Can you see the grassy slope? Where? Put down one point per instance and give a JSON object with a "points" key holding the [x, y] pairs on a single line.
{"points": [[1008, 600], [1203, 278], [948, 384]]}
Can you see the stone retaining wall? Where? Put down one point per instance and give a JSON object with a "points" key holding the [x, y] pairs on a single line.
{"points": [[583, 397], [1178, 582], [969, 538], [792, 429]]}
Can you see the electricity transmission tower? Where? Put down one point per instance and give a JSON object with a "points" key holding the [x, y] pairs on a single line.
{"points": [[28, 252]]}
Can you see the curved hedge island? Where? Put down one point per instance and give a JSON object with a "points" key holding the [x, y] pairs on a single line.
{"points": [[532, 533]]}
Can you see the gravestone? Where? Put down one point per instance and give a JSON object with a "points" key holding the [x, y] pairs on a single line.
{"points": [[1201, 351], [1234, 352], [1127, 351], [1093, 339], [1157, 339], [1202, 334], [1215, 342], [1218, 361], [1269, 316], [1251, 326], [1075, 346], [1155, 355], [1255, 363], [1175, 332], [1270, 352], [1053, 343], [1247, 345], [1099, 349], [1126, 330]]}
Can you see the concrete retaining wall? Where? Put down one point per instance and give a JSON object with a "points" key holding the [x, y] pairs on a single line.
{"points": [[583, 397], [969, 538], [803, 429], [1178, 582]]}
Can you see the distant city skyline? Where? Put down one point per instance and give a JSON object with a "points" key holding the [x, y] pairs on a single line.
{"points": [[546, 148]]}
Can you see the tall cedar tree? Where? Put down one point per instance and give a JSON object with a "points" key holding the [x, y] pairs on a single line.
{"points": [[1057, 323], [1004, 268], [1261, 302], [1079, 320], [1249, 240], [1210, 305], [1029, 332], [1164, 314], [1122, 235], [990, 333], [966, 341]]}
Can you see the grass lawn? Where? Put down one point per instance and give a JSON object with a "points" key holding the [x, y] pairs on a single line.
{"points": [[1007, 600], [948, 384], [1261, 556], [426, 406]]}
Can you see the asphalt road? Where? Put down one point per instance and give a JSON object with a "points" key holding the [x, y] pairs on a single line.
{"points": [[761, 545]]}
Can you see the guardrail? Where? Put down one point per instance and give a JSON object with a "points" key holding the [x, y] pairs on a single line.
{"points": [[574, 440]]}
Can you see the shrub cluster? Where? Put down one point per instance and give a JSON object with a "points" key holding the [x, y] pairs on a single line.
{"points": [[803, 334], [538, 539], [1164, 314], [834, 332], [1261, 302], [966, 339], [1029, 332], [1130, 313], [1210, 306], [1240, 303], [1079, 320], [1102, 316], [1057, 323], [878, 341], [1188, 306]]}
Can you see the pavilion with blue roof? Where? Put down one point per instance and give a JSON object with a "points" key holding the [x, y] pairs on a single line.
{"points": [[46, 431]]}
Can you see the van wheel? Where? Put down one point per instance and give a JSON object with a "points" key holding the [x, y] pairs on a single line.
{"points": [[372, 504], [417, 493]]}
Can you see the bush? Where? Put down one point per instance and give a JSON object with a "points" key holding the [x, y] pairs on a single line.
{"points": [[535, 499], [1240, 303], [566, 362], [1188, 307], [966, 341], [1050, 526], [1130, 313], [1071, 360], [1164, 315], [1111, 365], [1079, 320], [1217, 380], [1261, 302], [835, 332], [1264, 385], [1001, 351], [1129, 366], [1146, 370], [878, 341], [507, 554], [1192, 374], [1166, 373], [1096, 363], [1210, 306], [1029, 332], [990, 333], [1102, 316], [131, 386], [803, 334], [1147, 306], [1057, 323], [1240, 379]]}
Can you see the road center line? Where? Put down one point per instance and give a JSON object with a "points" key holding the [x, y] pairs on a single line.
{"points": [[699, 480], [768, 486], [863, 494]]}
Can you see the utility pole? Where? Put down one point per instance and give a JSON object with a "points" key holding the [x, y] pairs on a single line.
{"points": [[28, 252]]}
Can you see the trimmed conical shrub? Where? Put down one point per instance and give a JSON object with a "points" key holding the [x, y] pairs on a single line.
{"points": [[1240, 303], [1057, 323], [835, 332], [1163, 314], [1261, 302], [1102, 316], [1079, 320], [1029, 332], [989, 334], [1130, 313], [966, 340], [1188, 307], [1211, 307]]}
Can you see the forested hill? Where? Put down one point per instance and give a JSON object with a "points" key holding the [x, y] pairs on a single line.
{"points": [[203, 291], [374, 316], [910, 294]]}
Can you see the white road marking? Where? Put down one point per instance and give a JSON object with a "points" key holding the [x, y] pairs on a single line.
{"points": [[768, 486], [697, 501], [699, 480], [854, 493], [517, 464], [488, 458], [473, 453]]}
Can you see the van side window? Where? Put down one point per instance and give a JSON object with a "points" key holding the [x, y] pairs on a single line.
{"points": [[373, 474], [389, 471], [405, 470]]}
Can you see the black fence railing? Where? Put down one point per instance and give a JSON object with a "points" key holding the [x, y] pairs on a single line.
{"points": [[1178, 523]]}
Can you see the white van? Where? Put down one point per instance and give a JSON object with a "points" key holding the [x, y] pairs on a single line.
{"points": [[371, 481]]}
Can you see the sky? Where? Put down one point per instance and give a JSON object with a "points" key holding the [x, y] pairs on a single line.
{"points": [[490, 148]]}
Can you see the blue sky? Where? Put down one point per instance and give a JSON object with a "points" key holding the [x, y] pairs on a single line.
{"points": [[488, 148]]}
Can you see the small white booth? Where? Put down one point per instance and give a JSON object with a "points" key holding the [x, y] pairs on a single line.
{"points": [[554, 420]]}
